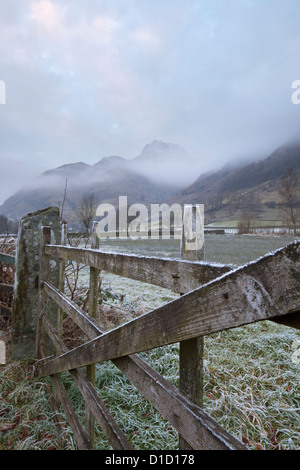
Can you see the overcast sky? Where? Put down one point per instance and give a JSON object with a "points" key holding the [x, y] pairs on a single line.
{"points": [[91, 78]]}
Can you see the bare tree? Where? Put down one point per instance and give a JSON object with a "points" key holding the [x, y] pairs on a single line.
{"points": [[246, 222], [73, 270], [86, 211], [289, 192], [61, 205]]}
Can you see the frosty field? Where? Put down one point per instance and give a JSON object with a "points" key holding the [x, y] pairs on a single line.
{"points": [[228, 249]]}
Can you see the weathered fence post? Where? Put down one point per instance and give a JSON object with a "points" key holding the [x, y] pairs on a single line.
{"points": [[93, 302], [191, 350], [25, 302]]}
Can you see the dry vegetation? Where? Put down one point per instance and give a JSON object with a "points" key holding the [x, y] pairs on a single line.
{"points": [[7, 273]]}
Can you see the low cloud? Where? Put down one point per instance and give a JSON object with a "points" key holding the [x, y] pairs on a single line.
{"points": [[84, 80]]}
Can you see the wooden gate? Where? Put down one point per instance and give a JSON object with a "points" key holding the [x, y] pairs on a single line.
{"points": [[214, 298]]}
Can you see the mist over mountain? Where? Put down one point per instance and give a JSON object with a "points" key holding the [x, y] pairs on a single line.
{"points": [[167, 163], [158, 172], [234, 188], [162, 172], [236, 177]]}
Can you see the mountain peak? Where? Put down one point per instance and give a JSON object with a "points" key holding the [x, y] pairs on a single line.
{"points": [[108, 161], [167, 163], [157, 147]]}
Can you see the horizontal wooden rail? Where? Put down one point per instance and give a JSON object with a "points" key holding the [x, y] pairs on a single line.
{"points": [[8, 259], [179, 276], [192, 423]]}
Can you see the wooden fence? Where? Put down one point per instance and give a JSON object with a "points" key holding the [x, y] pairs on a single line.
{"points": [[213, 299]]}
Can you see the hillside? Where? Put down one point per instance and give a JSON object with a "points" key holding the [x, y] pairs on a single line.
{"points": [[254, 186]]}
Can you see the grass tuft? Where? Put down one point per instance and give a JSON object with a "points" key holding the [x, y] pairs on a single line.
{"points": [[26, 419], [252, 387]]}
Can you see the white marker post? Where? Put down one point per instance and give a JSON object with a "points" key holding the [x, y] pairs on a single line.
{"points": [[191, 350], [2, 353]]}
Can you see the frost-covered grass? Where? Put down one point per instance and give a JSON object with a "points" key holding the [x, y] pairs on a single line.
{"points": [[27, 421], [252, 389], [143, 426]]}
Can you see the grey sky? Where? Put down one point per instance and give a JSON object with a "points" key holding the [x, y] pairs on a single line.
{"points": [[91, 78]]}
